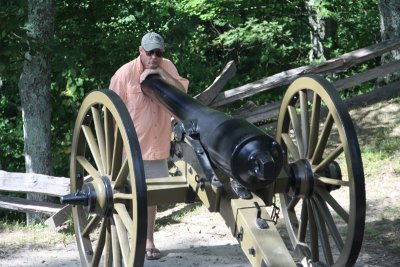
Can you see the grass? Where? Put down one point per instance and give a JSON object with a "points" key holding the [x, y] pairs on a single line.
{"points": [[41, 236], [384, 233], [380, 150], [18, 235], [9, 226], [176, 216]]}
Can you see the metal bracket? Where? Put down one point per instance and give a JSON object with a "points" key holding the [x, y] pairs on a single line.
{"points": [[260, 222], [190, 130], [204, 162], [185, 128], [275, 212]]}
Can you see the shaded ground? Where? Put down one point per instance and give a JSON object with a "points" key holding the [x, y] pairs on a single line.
{"points": [[202, 239], [381, 246]]}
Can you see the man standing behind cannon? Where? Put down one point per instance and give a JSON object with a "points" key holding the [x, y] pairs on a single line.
{"points": [[152, 121]]}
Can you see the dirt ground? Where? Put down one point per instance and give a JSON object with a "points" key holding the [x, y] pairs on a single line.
{"points": [[202, 239]]}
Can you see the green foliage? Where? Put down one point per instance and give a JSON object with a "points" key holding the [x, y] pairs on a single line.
{"points": [[12, 44], [94, 38]]}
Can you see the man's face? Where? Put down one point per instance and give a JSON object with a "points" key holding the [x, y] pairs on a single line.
{"points": [[150, 59]]}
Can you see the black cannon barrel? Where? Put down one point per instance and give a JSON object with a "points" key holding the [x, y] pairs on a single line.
{"points": [[234, 145]]}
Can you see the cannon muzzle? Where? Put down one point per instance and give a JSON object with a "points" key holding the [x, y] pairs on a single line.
{"points": [[235, 146]]}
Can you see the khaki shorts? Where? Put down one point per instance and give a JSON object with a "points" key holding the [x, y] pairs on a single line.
{"points": [[155, 168]]}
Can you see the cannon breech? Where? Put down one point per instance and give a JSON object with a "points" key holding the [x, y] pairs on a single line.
{"points": [[235, 146]]}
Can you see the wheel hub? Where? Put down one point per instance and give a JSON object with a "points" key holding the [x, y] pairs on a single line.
{"points": [[302, 179], [96, 196], [332, 171]]}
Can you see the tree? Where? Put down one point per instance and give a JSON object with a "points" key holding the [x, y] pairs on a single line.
{"points": [[389, 11], [35, 92], [323, 29]]}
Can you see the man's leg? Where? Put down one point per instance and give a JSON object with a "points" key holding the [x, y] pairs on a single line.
{"points": [[152, 253], [153, 169], [151, 218]]}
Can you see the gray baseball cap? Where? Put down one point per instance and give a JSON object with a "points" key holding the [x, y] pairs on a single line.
{"points": [[152, 41]]}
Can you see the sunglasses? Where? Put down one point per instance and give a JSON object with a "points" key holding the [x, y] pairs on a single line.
{"points": [[158, 53]]}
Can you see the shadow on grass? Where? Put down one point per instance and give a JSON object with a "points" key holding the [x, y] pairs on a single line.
{"points": [[383, 233], [176, 216]]}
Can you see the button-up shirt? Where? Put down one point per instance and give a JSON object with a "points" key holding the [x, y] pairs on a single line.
{"points": [[151, 120]]}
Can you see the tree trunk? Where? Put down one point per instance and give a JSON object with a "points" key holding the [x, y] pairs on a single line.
{"points": [[317, 32], [34, 86], [323, 29], [389, 13]]}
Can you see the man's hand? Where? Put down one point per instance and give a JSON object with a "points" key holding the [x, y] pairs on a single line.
{"points": [[148, 72], [164, 75], [160, 71]]}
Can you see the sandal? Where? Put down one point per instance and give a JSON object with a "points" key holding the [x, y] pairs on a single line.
{"points": [[152, 254]]}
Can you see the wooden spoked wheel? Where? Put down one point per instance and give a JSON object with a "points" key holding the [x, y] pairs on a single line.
{"points": [[108, 187], [324, 206]]}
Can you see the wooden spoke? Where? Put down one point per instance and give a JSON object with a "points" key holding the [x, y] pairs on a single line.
{"points": [[108, 259], [100, 244], [109, 138], [88, 178], [313, 233], [88, 167], [123, 239], [303, 222], [100, 137], [293, 202], [325, 180], [314, 127], [327, 217], [122, 175], [94, 148], [91, 226], [333, 203], [322, 233], [116, 248], [291, 146], [125, 217], [123, 196], [296, 128], [305, 121], [326, 130], [330, 158], [117, 155]]}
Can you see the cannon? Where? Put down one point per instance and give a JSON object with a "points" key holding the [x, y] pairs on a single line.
{"points": [[313, 164]]}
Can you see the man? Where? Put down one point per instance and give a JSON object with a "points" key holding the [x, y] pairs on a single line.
{"points": [[152, 121]]}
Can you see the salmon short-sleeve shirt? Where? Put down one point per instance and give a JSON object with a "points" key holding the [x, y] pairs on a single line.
{"points": [[152, 121]]}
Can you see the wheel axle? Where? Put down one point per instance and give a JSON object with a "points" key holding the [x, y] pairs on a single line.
{"points": [[95, 196], [78, 198]]}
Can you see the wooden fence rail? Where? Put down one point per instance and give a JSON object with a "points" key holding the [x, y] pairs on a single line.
{"points": [[335, 65], [34, 183]]}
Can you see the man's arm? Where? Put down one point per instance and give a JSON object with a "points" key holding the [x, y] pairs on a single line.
{"points": [[164, 75]]}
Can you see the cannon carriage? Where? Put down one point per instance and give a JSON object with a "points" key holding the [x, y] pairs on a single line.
{"points": [[313, 164]]}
